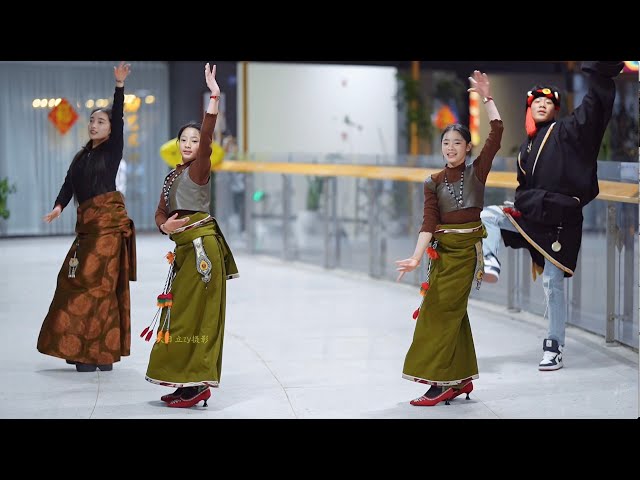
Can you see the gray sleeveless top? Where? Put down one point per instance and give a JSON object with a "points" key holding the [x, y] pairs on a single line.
{"points": [[184, 194], [472, 193]]}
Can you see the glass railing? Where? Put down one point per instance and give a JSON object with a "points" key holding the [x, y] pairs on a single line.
{"points": [[364, 225]]}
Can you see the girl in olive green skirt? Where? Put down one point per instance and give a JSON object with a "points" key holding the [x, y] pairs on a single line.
{"points": [[187, 354], [442, 353]]}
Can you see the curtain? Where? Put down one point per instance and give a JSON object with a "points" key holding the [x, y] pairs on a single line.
{"points": [[35, 156]]}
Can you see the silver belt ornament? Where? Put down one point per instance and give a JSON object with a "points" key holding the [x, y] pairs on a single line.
{"points": [[73, 265], [74, 262], [479, 273], [203, 264]]}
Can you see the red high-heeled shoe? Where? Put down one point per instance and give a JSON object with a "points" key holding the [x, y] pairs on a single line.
{"points": [[169, 397], [190, 402], [467, 388], [423, 401]]}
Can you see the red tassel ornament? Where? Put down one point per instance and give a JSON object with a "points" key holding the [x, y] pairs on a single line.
{"points": [[529, 123], [164, 301], [432, 253], [416, 313], [513, 212]]}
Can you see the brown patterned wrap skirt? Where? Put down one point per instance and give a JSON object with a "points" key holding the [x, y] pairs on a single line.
{"points": [[89, 318]]}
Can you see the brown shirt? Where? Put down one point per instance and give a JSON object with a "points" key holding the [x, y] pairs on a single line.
{"points": [[200, 170], [482, 165]]}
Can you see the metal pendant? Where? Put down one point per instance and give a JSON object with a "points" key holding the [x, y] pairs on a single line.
{"points": [[203, 264], [556, 246], [73, 266]]}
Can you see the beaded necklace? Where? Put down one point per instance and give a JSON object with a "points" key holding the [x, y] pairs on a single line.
{"points": [[459, 200], [168, 182]]}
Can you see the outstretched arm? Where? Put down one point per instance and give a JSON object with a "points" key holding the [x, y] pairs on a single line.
{"points": [[410, 264], [480, 85], [200, 169], [116, 138], [586, 125], [66, 191], [431, 217], [63, 198]]}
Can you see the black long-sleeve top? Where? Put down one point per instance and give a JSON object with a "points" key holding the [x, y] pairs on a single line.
{"points": [[94, 170], [568, 162], [563, 161]]}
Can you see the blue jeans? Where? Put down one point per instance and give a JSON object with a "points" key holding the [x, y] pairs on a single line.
{"points": [[552, 277]]}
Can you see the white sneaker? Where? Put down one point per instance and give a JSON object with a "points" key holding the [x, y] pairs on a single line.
{"points": [[491, 269], [552, 356]]}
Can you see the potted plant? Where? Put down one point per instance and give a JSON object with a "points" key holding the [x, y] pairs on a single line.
{"points": [[5, 191], [417, 111], [314, 191], [309, 220]]}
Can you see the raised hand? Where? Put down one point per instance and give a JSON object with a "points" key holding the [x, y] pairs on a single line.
{"points": [[480, 84], [210, 77], [405, 266], [122, 71], [53, 214]]}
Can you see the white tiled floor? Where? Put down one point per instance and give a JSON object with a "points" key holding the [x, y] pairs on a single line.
{"points": [[300, 342]]}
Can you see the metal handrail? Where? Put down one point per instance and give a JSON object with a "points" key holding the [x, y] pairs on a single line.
{"points": [[612, 192], [609, 190]]}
